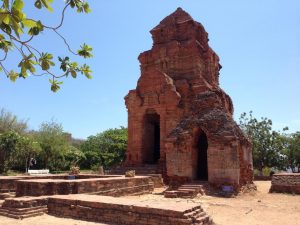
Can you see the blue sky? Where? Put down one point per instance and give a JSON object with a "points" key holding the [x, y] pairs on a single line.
{"points": [[258, 43]]}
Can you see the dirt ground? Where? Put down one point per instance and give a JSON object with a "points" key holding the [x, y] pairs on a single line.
{"points": [[259, 208]]}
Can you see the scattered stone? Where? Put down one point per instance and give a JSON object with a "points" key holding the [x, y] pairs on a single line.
{"points": [[130, 173]]}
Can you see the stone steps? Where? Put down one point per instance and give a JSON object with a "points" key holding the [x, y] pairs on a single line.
{"points": [[197, 216], [189, 190], [21, 213], [7, 195]]}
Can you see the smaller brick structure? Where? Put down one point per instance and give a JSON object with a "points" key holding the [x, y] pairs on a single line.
{"points": [[8, 183], [24, 207], [123, 212], [286, 183], [112, 186]]}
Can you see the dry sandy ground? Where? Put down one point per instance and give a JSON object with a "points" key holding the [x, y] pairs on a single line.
{"points": [[260, 208]]}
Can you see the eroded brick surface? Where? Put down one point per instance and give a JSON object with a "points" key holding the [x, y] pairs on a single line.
{"points": [[178, 110], [122, 211], [286, 183], [112, 186]]}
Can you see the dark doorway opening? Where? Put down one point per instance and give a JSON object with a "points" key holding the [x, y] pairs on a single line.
{"points": [[151, 146], [202, 172]]}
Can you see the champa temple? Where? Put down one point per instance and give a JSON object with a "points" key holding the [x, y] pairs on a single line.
{"points": [[178, 116]]}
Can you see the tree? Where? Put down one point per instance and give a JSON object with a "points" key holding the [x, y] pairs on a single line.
{"points": [[292, 152], [73, 157], [8, 147], [27, 149], [53, 144], [268, 145], [106, 149], [17, 32], [9, 122]]}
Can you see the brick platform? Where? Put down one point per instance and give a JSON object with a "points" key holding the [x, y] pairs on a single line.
{"points": [[111, 186], [24, 207], [8, 183], [286, 183], [123, 211]]}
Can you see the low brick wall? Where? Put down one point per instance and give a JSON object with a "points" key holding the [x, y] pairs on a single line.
{"points": [[286, 183], [112, 186], [123, 211], [8, 183]]}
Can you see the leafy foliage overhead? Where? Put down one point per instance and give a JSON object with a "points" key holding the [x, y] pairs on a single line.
{"points": [[17, 31]]}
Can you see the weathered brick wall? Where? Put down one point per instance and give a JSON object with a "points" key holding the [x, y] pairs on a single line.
{"points": [[122, 212], [179, 83], [286, 183], [8, 183], [115, 186]]}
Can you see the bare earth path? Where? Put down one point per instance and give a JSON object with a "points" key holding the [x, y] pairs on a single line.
{"points": [[260, 208]]}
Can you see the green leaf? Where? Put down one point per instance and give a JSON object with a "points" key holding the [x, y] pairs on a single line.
{"points": [[18, 4], [86, 7], [85, 51], [45, 61], [16, 27], [36, 29], [13, 76], [6, 4], [85, 69], [38, 4], [18, 15], [73, 73], [27, 64], [55, 85], [2, 17], [6, 19], [29, 23]]}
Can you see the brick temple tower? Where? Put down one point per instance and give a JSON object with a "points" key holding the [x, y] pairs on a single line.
{"points": [[178, 116]]}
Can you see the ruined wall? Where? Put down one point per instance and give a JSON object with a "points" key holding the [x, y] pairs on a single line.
{"points": [[286, 183], [180, 82], [114, 186]]}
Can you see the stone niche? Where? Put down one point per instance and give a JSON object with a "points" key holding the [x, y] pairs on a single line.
{"points": [[178, 116]]}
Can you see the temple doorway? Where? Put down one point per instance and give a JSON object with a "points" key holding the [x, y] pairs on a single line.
{"points": [[151, 140], [202, 170]]}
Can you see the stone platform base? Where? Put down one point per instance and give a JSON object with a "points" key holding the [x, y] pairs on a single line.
{"points": [[112, 186], [286, 183], [9, 183], [24, 207], [123, 211]]}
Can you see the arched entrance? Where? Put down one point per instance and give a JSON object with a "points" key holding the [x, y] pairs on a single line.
{"points": [[202, 166], [151, 138]]}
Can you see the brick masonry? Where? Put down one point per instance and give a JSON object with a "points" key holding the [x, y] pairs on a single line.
{"points": [[121, 211], [178, 116], [286, 183], [8, 183], [112, 186]]}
